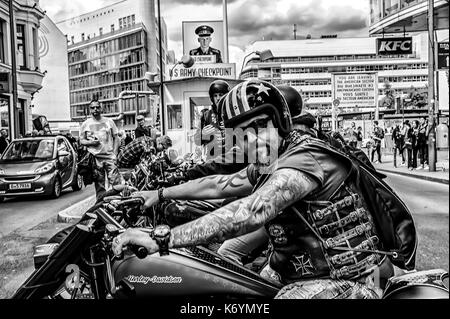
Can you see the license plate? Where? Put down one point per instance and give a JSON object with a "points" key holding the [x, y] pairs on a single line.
{"points": [[20, 186]]}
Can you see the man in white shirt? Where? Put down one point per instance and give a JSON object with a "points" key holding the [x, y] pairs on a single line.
{"points": [[99, 135]]}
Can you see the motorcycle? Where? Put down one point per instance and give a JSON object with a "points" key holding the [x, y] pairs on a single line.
{"points": [[83, 266]]}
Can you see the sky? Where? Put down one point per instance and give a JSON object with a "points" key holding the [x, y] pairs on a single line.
{"points": [[248, 20]]}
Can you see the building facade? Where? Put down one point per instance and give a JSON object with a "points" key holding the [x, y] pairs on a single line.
{"points": [[27, 15], [397, 17], [110, 50], [52, 100], [307, 65]]}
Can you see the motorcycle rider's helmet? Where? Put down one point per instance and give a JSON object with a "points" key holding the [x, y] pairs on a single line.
{"points": [[293, 99], [252, 98], [218, 86]]}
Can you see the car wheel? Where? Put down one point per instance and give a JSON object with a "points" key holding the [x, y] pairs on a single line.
{"points": [[78, 183], [57, 187]]}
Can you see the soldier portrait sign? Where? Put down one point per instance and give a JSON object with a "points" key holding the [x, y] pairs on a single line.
{"points": [[203, 40]]}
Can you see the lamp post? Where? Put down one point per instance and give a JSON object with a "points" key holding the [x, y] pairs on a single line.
{"points": [[263, 55], [13, 104]]}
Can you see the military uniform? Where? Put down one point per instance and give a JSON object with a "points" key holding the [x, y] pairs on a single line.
{"points": [[211, 51], [206, 31]]}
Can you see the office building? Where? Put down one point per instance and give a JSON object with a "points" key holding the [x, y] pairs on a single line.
{"points": [[110, 50], [307, 65]]}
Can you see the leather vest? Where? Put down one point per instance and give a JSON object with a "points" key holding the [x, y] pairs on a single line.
{"points": [[333, 238]]}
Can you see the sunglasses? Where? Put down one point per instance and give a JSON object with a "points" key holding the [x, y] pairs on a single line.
{"points": [[95, 107]]}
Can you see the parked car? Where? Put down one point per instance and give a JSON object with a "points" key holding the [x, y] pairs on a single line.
{"points": [[42, 165]]}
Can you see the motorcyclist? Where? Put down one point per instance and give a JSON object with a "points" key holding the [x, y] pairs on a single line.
{"points": [[208, 134], [285, 197]]}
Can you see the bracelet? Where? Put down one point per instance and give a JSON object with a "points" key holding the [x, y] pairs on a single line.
{"points": [[161, 197]]}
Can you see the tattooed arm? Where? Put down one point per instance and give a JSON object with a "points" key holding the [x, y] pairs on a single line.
{"points": [[284, 188], [211, 187]]}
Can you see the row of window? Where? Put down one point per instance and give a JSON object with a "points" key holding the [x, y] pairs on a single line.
{"points": [[355, 68], [110, 107], [309, 82], [414, 78], [380, 9], [105, 78], [127, 21], [93, 16], [334, 58], [104, 93], [112, 62], [317, 94], [107, 47]]}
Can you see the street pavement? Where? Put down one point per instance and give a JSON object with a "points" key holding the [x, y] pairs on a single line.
{"points": [[23, 213], [429, 204]]}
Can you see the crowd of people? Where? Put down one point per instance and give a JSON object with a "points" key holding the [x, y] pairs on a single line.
{"points": [[411, 143]]}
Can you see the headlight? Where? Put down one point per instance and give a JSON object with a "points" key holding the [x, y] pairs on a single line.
{"points": [[44, 169]]}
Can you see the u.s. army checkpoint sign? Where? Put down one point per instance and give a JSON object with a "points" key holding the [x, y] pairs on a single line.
{"points": [[206, 70]]}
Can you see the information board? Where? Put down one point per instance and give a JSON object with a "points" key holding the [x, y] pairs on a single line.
{"points": [[355, 89]]}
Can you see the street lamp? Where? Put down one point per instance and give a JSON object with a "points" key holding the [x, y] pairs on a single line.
{"points": [[186, 60], [263, 55]]}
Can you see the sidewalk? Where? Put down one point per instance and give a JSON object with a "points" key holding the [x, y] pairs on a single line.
{"points": [[74, 213], [440, 176]]}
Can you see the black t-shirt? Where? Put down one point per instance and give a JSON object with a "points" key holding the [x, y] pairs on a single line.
{"points": [[329, 172]]}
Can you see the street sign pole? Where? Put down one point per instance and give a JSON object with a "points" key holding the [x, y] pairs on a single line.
{"points": [[431, 99]]}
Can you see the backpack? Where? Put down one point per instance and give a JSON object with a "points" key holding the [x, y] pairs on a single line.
{"points": [[392, 218]]}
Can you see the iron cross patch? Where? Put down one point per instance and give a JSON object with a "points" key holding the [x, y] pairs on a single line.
{"points": [[303, 264]]}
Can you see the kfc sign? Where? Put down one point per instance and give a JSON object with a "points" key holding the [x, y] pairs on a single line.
{"points": [[392, 46]]}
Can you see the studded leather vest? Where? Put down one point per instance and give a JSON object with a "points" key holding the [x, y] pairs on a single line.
{"points": [[325, 237]]}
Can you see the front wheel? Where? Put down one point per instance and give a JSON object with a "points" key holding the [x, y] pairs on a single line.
{"points": [[57, 187], [78, 183]]}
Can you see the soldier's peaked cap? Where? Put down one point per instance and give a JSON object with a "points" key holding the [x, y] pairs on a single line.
{"points": [[204, 31]]}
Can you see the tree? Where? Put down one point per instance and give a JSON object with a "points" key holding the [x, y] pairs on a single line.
{"points": [[388, 100]]}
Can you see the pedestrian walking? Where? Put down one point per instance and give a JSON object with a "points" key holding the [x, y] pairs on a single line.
{"points": [[99, 135], [397, 139], [377, 136], [411, 146], [359, 137], [403, 140], [4, 141], [422, 141]]}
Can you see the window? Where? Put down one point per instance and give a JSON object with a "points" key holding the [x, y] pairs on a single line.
{"points": [[100, 31], [82, 37], [133, 19], [72, 39], [120, 23], [112, 27], [174, 118], [21, 48], [36, 48], [2, 41]]}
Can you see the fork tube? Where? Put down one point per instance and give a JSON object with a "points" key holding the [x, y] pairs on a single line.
{"points": [[94, 276]]}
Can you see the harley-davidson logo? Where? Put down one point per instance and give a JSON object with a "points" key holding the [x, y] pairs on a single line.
{"points": [[154, 280]]}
